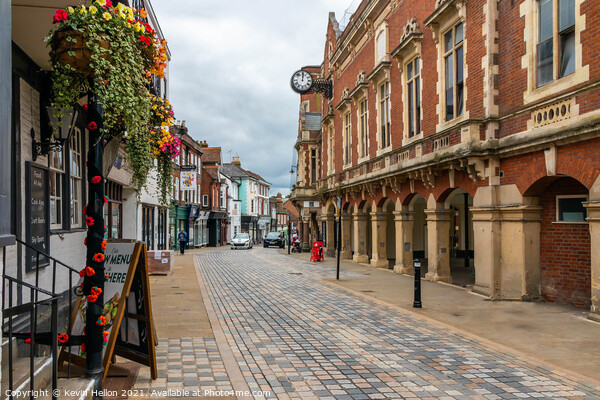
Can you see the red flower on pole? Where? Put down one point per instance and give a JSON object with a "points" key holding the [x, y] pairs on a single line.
{"points": [[98, 257], [106, 199], [89, 271], [105, 333], [85, 210], [85, 242], [82, 273], [63, 338], [96, 179], [103, 245], [89, 221], [92, 298], [83, 347], [60, 15], [92, 126], [101, 321], [85, 107], [96, 291], [105, 277]]}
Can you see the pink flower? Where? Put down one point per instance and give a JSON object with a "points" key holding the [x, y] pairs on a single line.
{"points": [[60, 15], [85, 107], [109, 3]]}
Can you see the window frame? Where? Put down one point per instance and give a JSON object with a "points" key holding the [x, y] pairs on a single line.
{"points": [[452, 52], [363, 128], [60, 198], [204, 200], [76, 205], [414, 114], [347, 153], [570, 196], [385, 109]]}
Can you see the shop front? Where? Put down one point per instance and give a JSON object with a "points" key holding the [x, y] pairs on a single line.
{"points": [[217, 228], [250, 226]]}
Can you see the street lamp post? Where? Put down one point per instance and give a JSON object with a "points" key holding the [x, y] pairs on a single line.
{"points": [[94, 338]]}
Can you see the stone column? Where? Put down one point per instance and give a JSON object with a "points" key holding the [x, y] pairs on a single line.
{"points": [[404, 243], [520, 253], [305, 240], [346, 253], [438, 239], [360, 237], [379, 232], [593, 212], [329, 235], [487, 245]]}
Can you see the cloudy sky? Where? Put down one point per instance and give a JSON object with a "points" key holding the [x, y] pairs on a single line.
{"points": [[230, 71]]}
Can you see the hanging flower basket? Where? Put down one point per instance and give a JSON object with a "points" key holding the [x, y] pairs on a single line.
{"points": [[69, 48]]}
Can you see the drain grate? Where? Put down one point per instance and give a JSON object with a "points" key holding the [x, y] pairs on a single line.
{"points": [[295, 273], [367, 291]]}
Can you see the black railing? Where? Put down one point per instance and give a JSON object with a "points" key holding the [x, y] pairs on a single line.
{"points": [[25, 313]]}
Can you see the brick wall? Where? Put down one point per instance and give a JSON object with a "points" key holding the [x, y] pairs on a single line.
{"points": [[565, 250]]}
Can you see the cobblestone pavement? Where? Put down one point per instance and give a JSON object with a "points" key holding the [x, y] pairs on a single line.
{"points": [[298, 338], [192, 364]]}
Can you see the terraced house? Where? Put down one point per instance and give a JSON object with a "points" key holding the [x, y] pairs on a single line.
{"points": [[463, 133]]}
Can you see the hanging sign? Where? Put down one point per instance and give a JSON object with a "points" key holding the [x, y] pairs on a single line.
{"points": [[188, 180], [127, 308]]}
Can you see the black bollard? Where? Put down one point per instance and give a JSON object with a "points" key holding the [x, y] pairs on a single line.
{"points": [[417, 301]]}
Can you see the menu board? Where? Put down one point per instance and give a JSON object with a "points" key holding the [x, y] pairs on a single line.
{"points": [[37, 213]]}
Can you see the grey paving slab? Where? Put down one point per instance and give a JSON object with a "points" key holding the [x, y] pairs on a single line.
{"points": [[283, 323]]}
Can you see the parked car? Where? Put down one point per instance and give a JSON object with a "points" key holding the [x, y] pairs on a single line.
{"points": [[274, 239], [241, 241]]}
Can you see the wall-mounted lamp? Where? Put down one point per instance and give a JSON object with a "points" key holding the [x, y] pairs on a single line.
{"points": [[63, 127]]}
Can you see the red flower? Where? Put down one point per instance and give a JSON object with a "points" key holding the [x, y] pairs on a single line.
{"points": [[109, 3], [92, 298], [96, 291], [85, 107], [63, 338], [106, 199], [101, 321], [143, 38], [103, 245], [92, 125], [85, 242], [82, 273], [148, 41], [105, 277], [96, 179], [89, 271], [83, 347], [105, 333], [60, 15], [98, 257], [85, 210], [89, 221]]}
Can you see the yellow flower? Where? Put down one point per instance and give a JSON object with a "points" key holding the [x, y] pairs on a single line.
{"points": [[82, 10], [121, 7], [107, 16], [93, 10], [70, 9], [121, 15], [102, 3]]}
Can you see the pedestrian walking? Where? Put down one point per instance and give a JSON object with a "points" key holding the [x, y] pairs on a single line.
{"points": [[183, 239]]}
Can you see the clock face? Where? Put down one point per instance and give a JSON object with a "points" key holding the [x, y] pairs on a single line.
{"points": [[301, 81]]}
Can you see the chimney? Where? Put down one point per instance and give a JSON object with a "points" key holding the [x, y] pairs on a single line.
{"points": [[236, 161], [183, 123], [203, 144]]}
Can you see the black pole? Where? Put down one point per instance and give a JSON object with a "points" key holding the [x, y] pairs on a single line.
{"points": [[94, 338], [339, 243], [289, 233], [417, 301], [467, 256]]}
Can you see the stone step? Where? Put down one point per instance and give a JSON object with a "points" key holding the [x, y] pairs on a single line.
{"points": [[71, 389], [42, 375], [5, 348]]}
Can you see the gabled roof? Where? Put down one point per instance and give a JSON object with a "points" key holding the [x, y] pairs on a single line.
{"points": [[212, 171], [211, 155], [256, 176], [233, 171]]}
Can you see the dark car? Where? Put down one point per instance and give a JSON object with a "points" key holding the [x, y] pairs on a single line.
{"points": [[274, 239]]}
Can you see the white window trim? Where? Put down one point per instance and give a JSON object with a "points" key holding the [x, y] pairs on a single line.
{"points": [[406, 140], [347, 136], [569, 196], [382, 150], [77, 210], [62, 198], [359, 145], [204, 200], [439, 30], [529, 10], [381, 30]]}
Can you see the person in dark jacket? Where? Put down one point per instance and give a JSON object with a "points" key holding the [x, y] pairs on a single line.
{"points": [[183, 239]]}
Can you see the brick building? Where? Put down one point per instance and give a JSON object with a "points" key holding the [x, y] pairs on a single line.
{"points": [[465, 134], [214, 195]]}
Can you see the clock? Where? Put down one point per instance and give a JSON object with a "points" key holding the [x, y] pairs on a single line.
{"points": [[301, 81]]}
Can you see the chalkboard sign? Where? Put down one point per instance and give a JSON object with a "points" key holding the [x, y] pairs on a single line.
{"points": [[127, 308], [37, 215]]}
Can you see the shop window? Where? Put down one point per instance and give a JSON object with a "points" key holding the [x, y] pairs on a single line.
{"points": [[57, 168], [76, 179], [570, 208], [148, 226]]}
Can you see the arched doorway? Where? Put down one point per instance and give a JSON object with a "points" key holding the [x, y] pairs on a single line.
{"points": [[347, 232], [416, 207], [328, 230], [390, 232], [462, 269], [362, 234], [565, 250]]}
